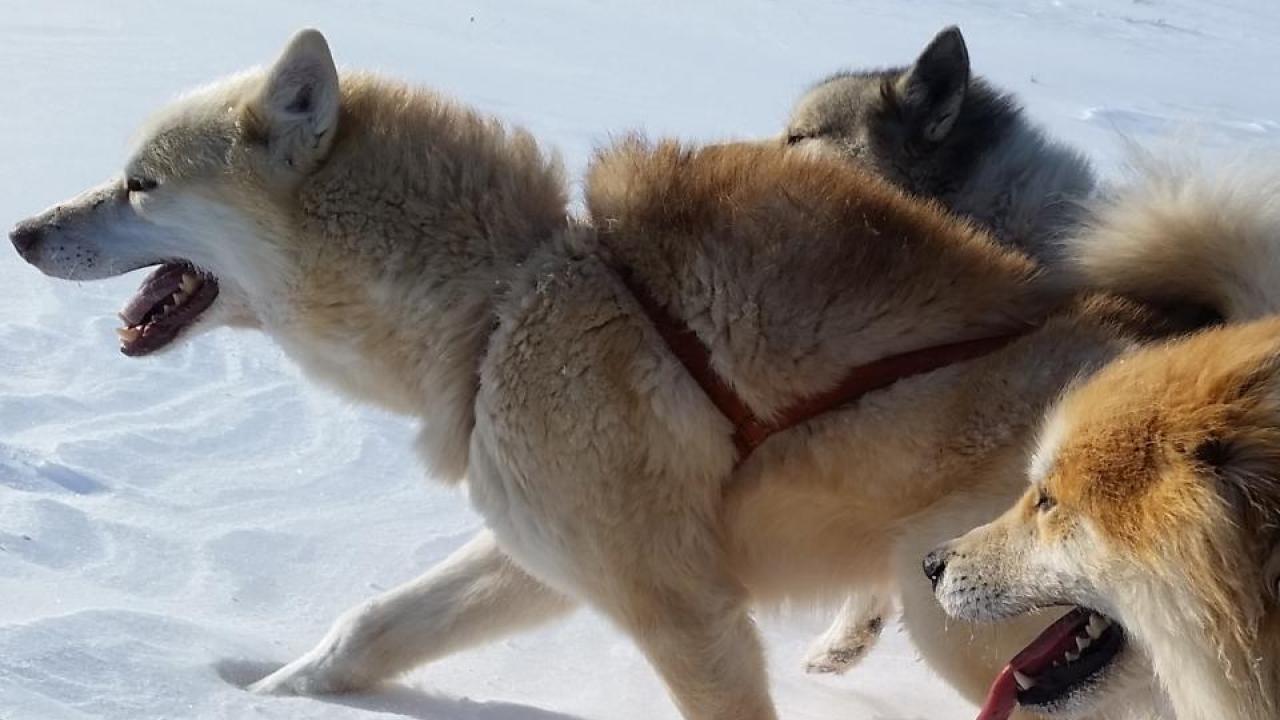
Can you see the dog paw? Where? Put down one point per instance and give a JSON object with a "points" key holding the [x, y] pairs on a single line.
{"points": [[305, 677], [242, 672], [833, 660], [277, 684], [836, 653]]}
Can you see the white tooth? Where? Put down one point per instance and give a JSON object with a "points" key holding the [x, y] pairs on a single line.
{"points": [[1082, 643], [1072, 657], [189, 283], [1023, 681], [128, 334], [178, 298], [1096, 626]]}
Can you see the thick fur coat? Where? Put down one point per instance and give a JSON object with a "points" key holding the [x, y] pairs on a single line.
{"points": [[417, 255]]}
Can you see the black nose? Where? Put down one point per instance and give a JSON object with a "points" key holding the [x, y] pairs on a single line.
{"points": [[935, 565], [25, 237]]}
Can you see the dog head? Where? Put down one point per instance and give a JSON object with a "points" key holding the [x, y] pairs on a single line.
{"points": [[205, 197], [1154, 509], [922, 127]]}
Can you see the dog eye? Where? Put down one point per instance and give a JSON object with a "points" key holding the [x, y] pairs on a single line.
{"points": [[137, 185], [1044, 503]]}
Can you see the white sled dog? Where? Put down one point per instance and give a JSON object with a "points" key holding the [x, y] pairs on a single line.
{"points": [[1154, 504], [748, 377]]}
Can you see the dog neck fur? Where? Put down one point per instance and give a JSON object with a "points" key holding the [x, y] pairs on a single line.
{"points": [[1213, 665], [1027, 190], [415, 186]]}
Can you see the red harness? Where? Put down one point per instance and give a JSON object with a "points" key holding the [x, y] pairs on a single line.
{"points": [[750, 430]]}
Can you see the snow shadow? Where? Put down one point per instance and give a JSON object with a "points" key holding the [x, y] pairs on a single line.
{"points": [[398, 699]]}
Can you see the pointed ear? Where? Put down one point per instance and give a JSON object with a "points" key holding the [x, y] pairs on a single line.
{"points": [[1245, 471], [933, 89], [1271, 572], [299, 103]]}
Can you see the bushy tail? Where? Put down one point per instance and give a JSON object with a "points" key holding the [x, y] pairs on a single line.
{"points": [[1179, 235]]}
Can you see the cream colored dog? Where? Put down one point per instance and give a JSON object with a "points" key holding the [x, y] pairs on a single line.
{"points": [[416, 255]]}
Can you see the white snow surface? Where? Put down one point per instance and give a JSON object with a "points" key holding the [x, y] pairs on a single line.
{"points": [[172, 527]]}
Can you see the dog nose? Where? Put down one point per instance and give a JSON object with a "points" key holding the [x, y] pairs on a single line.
{"points": [[25, 237], [935, 565]]}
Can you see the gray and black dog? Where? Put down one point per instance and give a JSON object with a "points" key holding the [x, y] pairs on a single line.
{"points": [[938, 131]]}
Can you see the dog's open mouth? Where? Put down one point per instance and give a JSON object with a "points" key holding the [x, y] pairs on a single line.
{"points": [[169, 300], [1065, 658]]}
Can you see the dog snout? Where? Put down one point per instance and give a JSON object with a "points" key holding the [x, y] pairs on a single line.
{"points": [[26, 239], [935, 565]]}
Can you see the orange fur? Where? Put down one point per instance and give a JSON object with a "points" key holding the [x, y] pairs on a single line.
{"points": [[1159, 504]]}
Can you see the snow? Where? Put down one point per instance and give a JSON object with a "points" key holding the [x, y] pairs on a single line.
{"points": [[172, 528]]}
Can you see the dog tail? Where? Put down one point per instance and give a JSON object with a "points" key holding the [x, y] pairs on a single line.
{"points": [[1181, 236]]}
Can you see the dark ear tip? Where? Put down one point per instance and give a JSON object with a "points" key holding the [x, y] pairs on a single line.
{"points": [[947, 47], [952, 39], [308, 36]]}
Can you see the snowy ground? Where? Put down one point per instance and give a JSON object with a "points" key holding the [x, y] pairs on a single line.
{"points": [[171, 527]]}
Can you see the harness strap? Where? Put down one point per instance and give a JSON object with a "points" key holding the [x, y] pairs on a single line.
{"points": [[750, 430]]}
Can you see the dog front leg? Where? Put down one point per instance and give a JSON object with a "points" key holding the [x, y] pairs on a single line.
{"points": [[475, 595]]}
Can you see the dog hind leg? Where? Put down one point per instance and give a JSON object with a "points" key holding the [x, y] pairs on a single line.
{"points": [[852, 634], [475, 595], [704, 644]]}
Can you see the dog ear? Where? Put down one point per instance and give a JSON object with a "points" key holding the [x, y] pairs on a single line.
{"points": [[299, 103], [1247, 474], [1271, 572], [933, 89]]}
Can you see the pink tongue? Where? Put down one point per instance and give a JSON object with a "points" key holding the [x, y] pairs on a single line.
{"points": [[1002, 698], [1057, 639]]}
